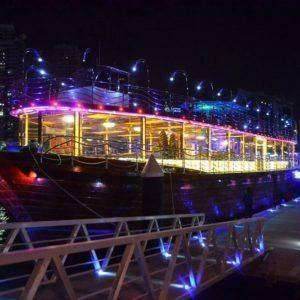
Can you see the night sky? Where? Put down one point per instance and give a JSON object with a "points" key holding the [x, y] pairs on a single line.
{"points": [[254, 45]]}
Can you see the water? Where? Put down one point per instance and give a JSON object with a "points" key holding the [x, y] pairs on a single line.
{"points": [[242, 287]]}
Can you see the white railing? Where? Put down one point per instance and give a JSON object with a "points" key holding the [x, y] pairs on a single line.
{"points": [[187, 260]]}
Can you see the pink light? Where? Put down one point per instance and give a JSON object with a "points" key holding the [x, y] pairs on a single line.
{"points": [[100, 106], [121, 108], [29, 110]]}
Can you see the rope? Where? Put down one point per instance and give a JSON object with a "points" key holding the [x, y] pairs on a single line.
{"points": [[63, 189]]}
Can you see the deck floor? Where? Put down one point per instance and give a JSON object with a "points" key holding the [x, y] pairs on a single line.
{"points": [[282, 237]]}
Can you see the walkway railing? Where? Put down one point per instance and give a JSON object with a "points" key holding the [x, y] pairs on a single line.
{"points": [[192, 258], [32, 234]]}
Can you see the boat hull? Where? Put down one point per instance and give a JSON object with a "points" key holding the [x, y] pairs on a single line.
{"points": [[45, 189]]}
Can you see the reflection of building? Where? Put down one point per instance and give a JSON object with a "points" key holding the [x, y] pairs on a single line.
{"points": [[11, 52]]}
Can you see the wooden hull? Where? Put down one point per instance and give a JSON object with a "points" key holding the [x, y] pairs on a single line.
{"points": [[31, 190]]}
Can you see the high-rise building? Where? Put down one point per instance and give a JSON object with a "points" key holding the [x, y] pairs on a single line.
{"points": [[11, 54]]}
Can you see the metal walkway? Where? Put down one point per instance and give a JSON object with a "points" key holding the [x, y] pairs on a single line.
{"points": [[282, 238], [172, 257]]}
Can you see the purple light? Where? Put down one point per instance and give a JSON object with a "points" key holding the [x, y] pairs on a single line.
{"points": [[45, 108]]}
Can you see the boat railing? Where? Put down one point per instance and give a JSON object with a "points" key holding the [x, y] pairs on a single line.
{"points": [[114, 149]]}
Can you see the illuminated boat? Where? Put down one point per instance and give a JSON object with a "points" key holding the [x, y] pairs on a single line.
{"points": [[93, 121], [218, 147]]}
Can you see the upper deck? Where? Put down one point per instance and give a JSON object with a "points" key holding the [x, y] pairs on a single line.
{"points": [[116, 118]]}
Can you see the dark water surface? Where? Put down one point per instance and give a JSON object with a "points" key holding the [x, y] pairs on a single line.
{"points": [[242, 287]]}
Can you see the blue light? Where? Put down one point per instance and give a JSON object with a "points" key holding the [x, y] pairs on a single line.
{"points": [[257, 127], [234, 100], [217, 210], [267, 113], [63, 84], [261, 245], [181, 286], [219, 94], [245, 126], [166, 254], [42, 72], [192, 280], [296, 174], [171, 78], [237, 261], [134, 68], [40, 59], [104, 273], [198, 87], [97, 266], [258, 110], [200, 238], [134, 104]]}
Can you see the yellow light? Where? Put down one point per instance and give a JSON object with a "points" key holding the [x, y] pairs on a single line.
{"points": [[68, 119], [109, 125], [200, 137], [137, 128]]}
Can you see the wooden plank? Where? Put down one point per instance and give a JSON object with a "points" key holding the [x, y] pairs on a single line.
{"points": [[122, 270], [10, 240], [73, 236], [188, 258], [92, 251], [201, 266], [35, 279], [194, 220], [144, 269], [57, 223], [169, 274], [174, 225], [111, 248], [27, 238], [61, 273], [150, 226]]}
